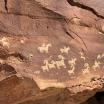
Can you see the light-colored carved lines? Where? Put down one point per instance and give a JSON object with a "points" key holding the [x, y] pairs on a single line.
{"points": [[45, 67], [96, 65], [82, 56], [54, 64], [65, 50], [5, 42], [72, 64], [100, 56], [60, 63], [44, 48], [86, 69]]}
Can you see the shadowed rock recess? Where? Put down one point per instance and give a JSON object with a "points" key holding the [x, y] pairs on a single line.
{"points": [[51, 52]]}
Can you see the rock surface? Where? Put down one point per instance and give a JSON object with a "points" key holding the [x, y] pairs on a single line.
{"points": [[51, 51]]}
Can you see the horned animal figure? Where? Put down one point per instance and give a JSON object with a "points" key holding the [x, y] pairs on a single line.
{"points": [[60, 63], [65, 50], [44, 48], [72, 63]]}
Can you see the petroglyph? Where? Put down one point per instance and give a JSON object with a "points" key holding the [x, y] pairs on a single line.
{"points": [[99, 56], [86, 69], [72, 64], [48, 65], [65, 50], [52, 65], [44, 48], [4, 42], [60, 63], [45, 67], [82, 56], [96, 65]]}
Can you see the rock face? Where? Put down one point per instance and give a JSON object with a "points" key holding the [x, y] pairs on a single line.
{"points": [[51, 51]]}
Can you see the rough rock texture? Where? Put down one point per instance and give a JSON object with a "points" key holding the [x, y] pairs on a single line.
{"points": [[51, 51]]}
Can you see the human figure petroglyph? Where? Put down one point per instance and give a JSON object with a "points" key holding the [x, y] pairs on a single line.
{"points": [[65, 50], [44, 48], [96, 65], [86, 69], [60, 63], [82, 56], [72, 61], [45, 67], [72, 64]]}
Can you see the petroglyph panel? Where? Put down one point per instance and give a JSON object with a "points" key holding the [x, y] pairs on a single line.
{"points": [[67, 62], [48, 59]]}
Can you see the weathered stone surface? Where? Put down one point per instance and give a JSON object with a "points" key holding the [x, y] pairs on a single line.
{"points": [[57, 45], [94, 5], [2, 6], [13, 89]]}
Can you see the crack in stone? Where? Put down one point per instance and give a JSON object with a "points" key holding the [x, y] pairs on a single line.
{"points": [[6, 8], [72, 3]]}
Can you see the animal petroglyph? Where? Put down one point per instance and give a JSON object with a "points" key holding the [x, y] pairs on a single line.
{"points": [[100, 56], [65, 50], [44, 48], [54, 64], [96, 65], [82, 56], [48, 65], [72, 64], [45, 67], [86, 69], [60, 63]]}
